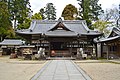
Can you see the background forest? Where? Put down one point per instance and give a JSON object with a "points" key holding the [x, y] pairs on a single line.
{"points": [[17, 14]]}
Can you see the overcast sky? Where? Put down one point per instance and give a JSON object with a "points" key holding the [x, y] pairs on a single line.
{"points": [[60, 4]]}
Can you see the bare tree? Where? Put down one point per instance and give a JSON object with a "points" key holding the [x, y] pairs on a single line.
{"points": [[111, 15]]}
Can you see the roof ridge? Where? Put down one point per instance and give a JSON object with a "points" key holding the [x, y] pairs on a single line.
{"points": [[33, 24], [59, 20], [85, 26]]}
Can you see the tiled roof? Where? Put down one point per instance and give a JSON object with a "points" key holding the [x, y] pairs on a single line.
{"points": [[115, 30], [11, 42], [43, 26], [109, 39]]}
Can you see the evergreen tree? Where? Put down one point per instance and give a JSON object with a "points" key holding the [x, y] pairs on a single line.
{"points": [[42, 13], [96, 9], [89, 10], [6, 30], [25, 24], [27, 21], [50, 11], [19, 10], [70, 12]]}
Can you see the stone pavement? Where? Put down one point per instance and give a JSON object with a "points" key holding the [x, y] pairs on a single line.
{"points": [[61, 70]]}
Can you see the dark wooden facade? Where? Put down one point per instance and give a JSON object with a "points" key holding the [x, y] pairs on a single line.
{"points": [[66, 45]]}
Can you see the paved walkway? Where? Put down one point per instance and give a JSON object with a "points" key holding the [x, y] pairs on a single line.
{"points": [[61, 70]]}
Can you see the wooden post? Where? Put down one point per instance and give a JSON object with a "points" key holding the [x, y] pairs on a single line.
{"points": [[78, 44], [102, 49], [71, 49], [107, 52], [40, 40], [83, 46], [43, 43], [49, 49], [37, 46], [96, 51]]}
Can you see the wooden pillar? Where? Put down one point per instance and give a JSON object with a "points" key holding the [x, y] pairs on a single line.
{"points": [[107, 52], [118, 49], [96, 50], [43, 44], [83, 47], [37, 45], [40, 41], [49, 49], [78, 44], [102, 44], [71, 49]]}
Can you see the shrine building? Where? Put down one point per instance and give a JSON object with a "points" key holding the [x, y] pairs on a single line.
{"points": [[61, 37]]}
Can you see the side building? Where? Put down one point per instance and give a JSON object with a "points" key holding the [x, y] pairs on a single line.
{"points": [[109, 47], [60, 37]]}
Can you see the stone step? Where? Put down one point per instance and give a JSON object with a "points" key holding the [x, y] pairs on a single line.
{"points": [[61, 58]]}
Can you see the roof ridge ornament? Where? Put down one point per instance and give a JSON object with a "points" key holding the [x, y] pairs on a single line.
{"points": [[60, 19], [31, 30]]}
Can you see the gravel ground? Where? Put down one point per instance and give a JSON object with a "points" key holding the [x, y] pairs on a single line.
{"points": [[16, 69], [100, 70]]}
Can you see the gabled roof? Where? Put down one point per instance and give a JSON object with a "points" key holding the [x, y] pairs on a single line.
{"points": [[44, 26], [108, 39], [115, 31], [11, 42], [62, 33], [60, 29], [115, 34], [60, 25]]}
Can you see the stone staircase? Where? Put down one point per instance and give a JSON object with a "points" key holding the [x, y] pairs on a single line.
{"points": [[60, 58], [62, 53]]}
